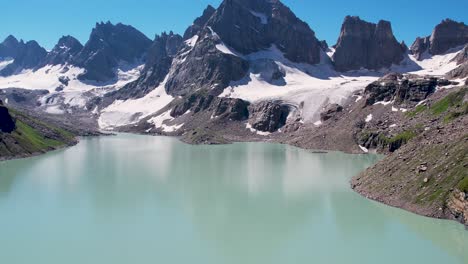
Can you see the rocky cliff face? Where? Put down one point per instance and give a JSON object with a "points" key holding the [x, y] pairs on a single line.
{"points": [[199, 23], [447, 35], [158, 62], [366, 45], [252, 25], [205, 68], [7, 124], [108, 46], [401, 89], [9, 48], [26, 55], [64, 51]]}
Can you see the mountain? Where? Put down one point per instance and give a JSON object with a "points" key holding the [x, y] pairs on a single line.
{"points": [[249, 26], [109, 46], [22, 135], [25, 55], [158, 63], [9, 48], [199, 23], [447, 35], [63, 52], [219, 44], [366, 45]]}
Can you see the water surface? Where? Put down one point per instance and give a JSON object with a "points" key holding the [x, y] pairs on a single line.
{"points": [[137, 199]]}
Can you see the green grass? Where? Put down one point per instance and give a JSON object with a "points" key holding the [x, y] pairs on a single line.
{"points": [[416, 111], [404, 136], [463, 185], [452, 100], [30, 139]]}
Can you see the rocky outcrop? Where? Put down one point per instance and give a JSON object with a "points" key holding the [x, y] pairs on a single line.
{"points": [[64, 52], [26, 55], [402, 89], [199, 23], [268, 116], [447, 35], [330, 112], [232, 109], [458, 205], [221, 108], [108, 46], [459, 73], [195, 103], [366, 45], [205, 68], [158, 62], [248, 26], [7, 124]]}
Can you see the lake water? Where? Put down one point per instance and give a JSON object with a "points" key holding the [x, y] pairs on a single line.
{"points": [[139, 199]]}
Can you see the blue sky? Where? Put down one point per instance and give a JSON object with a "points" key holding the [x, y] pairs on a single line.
{"points": [[47, 20]]}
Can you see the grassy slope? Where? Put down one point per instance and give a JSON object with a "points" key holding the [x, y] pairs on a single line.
{"points": [[443, 149], [32, 136]]}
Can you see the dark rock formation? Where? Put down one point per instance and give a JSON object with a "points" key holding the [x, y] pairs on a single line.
{"points": [[252, 25], [206, 68], [108, 46], [330, 112], [64, 52], [195, 102], [402, 89], [9, 48], [232, 109], [447, 35], [420, 46], [199, 23], [26, 55], [324, 45], [268, 116], [366, 45], [158, 63], [7, 124]]}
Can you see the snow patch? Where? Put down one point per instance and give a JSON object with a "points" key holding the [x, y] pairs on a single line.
{"points": [[158, 122], [192, 41], [5, 63], [132, 111], [311, 86], [253, 130], [369, 118], [227, 50], [263, 18], [364, 149]]}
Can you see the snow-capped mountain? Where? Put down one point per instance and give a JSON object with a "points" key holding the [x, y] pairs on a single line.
{"points": [[253, 62]]}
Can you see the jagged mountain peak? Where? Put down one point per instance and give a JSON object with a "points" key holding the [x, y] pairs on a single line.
{"points": [[108, 46], [199, 22], [64, 51], [10, 40], [446, 35], [251, 26], [363, 44]]}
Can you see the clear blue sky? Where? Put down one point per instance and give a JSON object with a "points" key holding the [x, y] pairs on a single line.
{"points": [[47, 20]]}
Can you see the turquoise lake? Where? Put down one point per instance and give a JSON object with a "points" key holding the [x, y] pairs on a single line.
{"points": [[131, 199]]}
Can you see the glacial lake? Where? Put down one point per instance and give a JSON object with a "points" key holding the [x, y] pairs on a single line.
{"points": [[140, 199]]}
